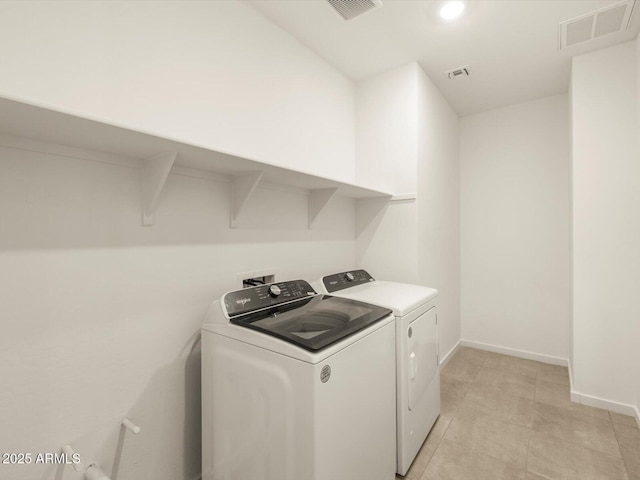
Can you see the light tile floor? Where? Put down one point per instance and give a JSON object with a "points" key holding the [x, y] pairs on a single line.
{"points": [[508, 418]]}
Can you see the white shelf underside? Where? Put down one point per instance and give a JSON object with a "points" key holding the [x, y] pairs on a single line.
{"points": [[157, 156]]}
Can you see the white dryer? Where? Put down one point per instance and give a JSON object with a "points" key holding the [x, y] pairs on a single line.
{"points": [[417, 372], [297, 385]]}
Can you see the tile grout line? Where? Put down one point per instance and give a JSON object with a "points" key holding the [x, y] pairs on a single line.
{"points": [[526, 461], [553, 436], [535, 396], [474, 378], [532, 430], [444, 433], [579, 444], [600, 452], [436, 449], [471, 448], [570, 441], [624, 463]]}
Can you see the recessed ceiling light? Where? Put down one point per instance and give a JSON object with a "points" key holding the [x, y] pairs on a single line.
{"points": [[451, 10]]}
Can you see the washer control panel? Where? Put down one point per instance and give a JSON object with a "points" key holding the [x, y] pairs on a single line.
{"points": [[340, 281], [255, 298]]}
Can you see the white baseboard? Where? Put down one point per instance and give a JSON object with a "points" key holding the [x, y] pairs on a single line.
{"points": [[606, 404], [591, 401], [514, 352], [444, 360], [576, 396]]}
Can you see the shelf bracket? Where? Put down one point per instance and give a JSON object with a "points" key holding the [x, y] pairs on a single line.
{"points": [[155, 171], [404, 197], [242, 188], [369, 213], [318, 201]]}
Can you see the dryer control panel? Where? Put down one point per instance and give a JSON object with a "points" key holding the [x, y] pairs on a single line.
{"points": [[256, 298], [340, 281]]}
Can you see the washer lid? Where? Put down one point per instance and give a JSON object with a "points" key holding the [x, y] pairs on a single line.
{"points": [[401, 298], [313, 323]]}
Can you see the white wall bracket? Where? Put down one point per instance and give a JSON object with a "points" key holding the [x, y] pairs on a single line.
{"points": [[404, 197], [318, 201], [91, 472], [94, 472], [155, 171], [71, 454], [242, 188], [132, 427]]}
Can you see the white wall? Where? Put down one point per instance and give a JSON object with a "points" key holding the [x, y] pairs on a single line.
{"points": [[387, 239], [386, 157], [515, 227], [407, 141], [606, 225], [570, 341], [438, 207], [101, 317], [216, 74], [638, 138], [387, 129]]}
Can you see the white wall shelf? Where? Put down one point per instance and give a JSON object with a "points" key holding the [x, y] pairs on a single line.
{"points": [[158, 156]]}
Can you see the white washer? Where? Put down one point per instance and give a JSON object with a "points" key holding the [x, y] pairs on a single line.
{"points": [[417, 375], [297, 385]]}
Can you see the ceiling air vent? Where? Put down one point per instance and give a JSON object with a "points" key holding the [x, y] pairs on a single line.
{"points": [[598, 23], [350, 9], [459, 72]]}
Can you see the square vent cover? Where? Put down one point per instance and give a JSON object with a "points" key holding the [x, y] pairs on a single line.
{"points": [[598, 23], [350, 9]]}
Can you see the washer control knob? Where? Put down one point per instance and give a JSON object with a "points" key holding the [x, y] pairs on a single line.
{"points": [[274, 290], [350, 277]]}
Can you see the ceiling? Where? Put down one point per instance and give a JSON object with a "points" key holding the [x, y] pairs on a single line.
{"points": [[510, 46]]}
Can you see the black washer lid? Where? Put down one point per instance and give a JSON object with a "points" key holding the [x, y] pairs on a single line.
{"points": [[313, 323]]}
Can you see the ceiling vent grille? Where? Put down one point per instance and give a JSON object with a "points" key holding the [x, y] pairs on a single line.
{"points": [[350, 9], [460, 72], [598, 23]]}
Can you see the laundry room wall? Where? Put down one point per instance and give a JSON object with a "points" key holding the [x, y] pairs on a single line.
{"points": [[216, 74], [101, 316], [407, 141], [606, 227], [438, 207], [570, 340], [386, 157], [515, 228], [638, 146], [386, 130]]}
